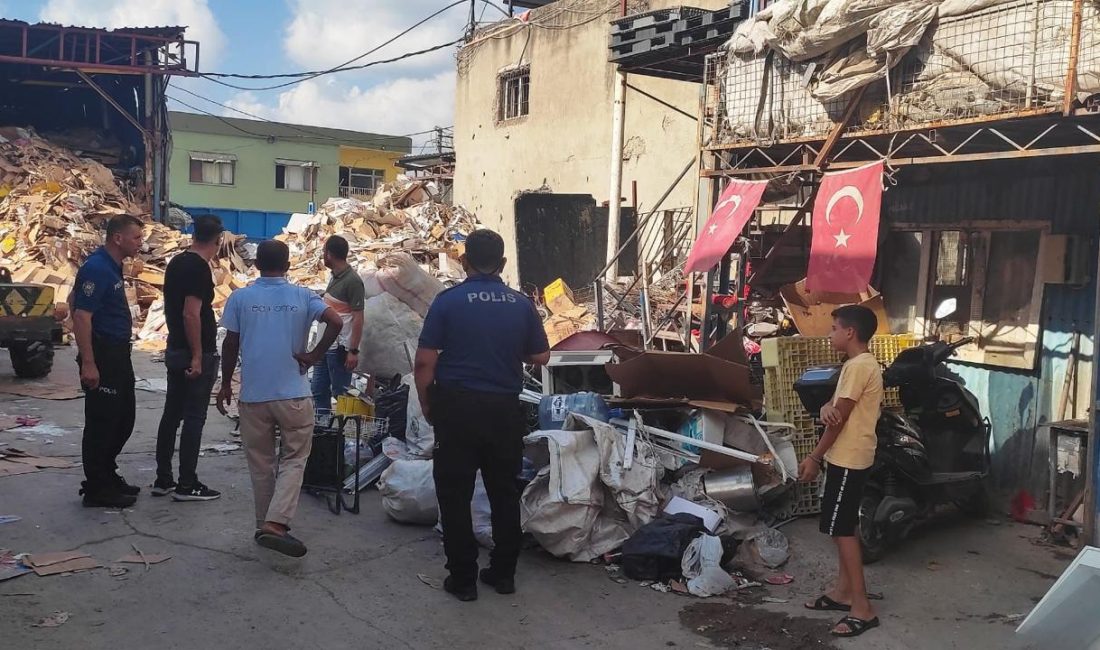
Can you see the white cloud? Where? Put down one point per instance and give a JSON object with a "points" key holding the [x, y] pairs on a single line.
{"points": [[195, 14], [394, 107], [325, 33]]}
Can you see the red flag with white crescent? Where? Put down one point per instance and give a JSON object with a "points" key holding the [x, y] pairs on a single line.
{"points": [[845, 230], [731, 213]]}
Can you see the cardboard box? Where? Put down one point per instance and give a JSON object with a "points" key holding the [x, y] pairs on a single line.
{"points": [[716, 379], [558, 297], [132, 267], [812, 312], [561, 326]]}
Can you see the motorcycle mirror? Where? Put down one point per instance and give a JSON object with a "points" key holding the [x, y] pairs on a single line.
{"points": [[946, 308]]}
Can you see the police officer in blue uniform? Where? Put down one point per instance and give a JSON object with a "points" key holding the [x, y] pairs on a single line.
{"points": [[469, 374], [103, 329]]}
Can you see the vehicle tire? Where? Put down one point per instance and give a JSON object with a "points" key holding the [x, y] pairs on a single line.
{"points": [[872, 536], [31, 359], [977, 504]]}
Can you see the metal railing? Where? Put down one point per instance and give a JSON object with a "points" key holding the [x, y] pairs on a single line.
{"points": [[360, 193]]}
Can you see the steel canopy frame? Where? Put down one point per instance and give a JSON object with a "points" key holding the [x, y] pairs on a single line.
{"points": [[98, 50], [1023, 138]]}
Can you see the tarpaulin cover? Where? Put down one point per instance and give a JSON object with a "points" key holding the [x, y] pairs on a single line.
{"points": [[961, 57]]}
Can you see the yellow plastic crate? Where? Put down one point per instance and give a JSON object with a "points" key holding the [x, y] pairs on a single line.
{"points": [[784, 360], [349, 406]]}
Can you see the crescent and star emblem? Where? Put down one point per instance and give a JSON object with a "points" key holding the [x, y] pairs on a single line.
{"points": [[735, 200], [848, 191]]}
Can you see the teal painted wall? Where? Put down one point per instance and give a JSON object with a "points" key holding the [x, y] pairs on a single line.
{"points": [[254, 186]]}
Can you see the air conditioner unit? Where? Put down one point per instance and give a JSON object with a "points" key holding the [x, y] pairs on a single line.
{"points": [[576, 371]]}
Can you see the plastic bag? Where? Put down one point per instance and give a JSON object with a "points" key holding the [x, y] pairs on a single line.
{"points": [[408, 492], [480, 514], [419, 433], [365, 454], [403, 278], [394, 448], [771, 547], [702, 566], [391, 331]]}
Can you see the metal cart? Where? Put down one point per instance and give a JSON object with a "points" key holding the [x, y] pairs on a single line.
{"points": [[329, 436]]}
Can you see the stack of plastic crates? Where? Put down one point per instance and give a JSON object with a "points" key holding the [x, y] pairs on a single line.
{"points": [[785, 359]]}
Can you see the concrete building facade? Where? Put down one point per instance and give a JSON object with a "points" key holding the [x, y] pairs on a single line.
{"points": [[255, 174], [533, 113]]}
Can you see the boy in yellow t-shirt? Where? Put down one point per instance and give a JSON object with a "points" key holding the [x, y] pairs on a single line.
{"points": [[846, 453]]}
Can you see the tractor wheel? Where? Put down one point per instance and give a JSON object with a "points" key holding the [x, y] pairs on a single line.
{"points": [[31, 359]]}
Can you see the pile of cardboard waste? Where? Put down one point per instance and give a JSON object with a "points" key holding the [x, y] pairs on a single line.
{"points": [[53, 208], [403, 216], [55, 204]]}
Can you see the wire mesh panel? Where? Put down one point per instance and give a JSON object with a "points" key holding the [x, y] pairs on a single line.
{"points": [[979, 58]]}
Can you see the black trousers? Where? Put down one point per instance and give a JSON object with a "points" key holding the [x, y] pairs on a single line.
{"points": [[187, 401], [473, 431], [109, 413]]}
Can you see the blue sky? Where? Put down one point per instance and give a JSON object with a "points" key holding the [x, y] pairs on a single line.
{"points": [[277, 36]]}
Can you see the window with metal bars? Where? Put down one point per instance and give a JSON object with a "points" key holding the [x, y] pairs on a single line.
{"points": [[514, 94]]}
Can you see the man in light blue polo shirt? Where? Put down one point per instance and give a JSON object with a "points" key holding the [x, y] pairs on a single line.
{"points": [[267, 324]]}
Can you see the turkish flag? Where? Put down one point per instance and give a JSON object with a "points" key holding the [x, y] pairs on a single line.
{"points": [[731, 213], [845, 239]]}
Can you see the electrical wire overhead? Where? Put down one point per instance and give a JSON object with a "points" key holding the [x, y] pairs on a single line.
{"points": [[299, 77], [310, 134]]}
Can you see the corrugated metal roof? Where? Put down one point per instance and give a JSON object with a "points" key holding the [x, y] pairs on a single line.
{"points": [[1066, 192], [166, 31], [238, 127]]}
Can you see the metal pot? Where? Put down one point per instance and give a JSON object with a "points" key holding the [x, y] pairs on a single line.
{"points": [[733, 487]]}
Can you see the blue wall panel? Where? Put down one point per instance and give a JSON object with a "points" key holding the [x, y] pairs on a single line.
{"points": [[254, 224]]}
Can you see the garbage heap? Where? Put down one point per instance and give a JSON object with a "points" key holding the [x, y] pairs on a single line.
{"points": [[54, 205], [403, 216]]}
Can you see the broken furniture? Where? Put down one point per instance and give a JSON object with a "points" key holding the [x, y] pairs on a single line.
{"points": [[1068, 454]]}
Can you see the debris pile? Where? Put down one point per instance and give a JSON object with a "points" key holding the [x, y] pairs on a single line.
{"points": [[404, 216], [53, 208], [54, 205]]}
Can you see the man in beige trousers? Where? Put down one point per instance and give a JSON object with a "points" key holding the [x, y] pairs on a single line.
{"points": [[267, 324]]}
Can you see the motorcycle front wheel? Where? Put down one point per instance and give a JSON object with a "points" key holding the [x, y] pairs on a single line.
{"points": [[872, 536]]}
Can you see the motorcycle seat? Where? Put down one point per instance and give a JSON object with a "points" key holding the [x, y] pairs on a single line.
{"points": [[942, 478]]}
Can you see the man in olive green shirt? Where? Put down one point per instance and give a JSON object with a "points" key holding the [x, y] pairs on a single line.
{"points": [[345, 294]]}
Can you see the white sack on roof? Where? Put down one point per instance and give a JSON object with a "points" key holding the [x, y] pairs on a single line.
{"points": [[890, 36], [965, 58], [808, 29], [750, 37]]}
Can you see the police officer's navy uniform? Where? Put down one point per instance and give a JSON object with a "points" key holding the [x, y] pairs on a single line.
{"points": [[109, 410], [483, 330]]}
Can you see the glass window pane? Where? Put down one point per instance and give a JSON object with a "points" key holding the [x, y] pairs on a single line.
{"points": [[900, 271], [951, 258], [1010, 278]]}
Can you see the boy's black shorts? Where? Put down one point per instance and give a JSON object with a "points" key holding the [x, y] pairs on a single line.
{"points": [[840, 503]]}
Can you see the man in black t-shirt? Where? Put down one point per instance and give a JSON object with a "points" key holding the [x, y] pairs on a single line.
{"points": [[191, 360]]}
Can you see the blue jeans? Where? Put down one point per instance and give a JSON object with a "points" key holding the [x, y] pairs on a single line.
{"points": [[330, 378]]}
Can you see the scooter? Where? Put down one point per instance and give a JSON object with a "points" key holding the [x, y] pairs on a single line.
{"points": [[936, 453]]}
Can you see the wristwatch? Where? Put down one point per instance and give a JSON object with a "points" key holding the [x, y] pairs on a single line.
{"points": [[355, 351]]}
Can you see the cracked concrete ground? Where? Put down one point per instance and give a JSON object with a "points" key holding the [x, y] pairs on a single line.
{"points": [[959, 584]]}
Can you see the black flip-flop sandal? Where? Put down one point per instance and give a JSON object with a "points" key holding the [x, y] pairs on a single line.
{"points": [[826, 604], [285, 544], [856, 626]]}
